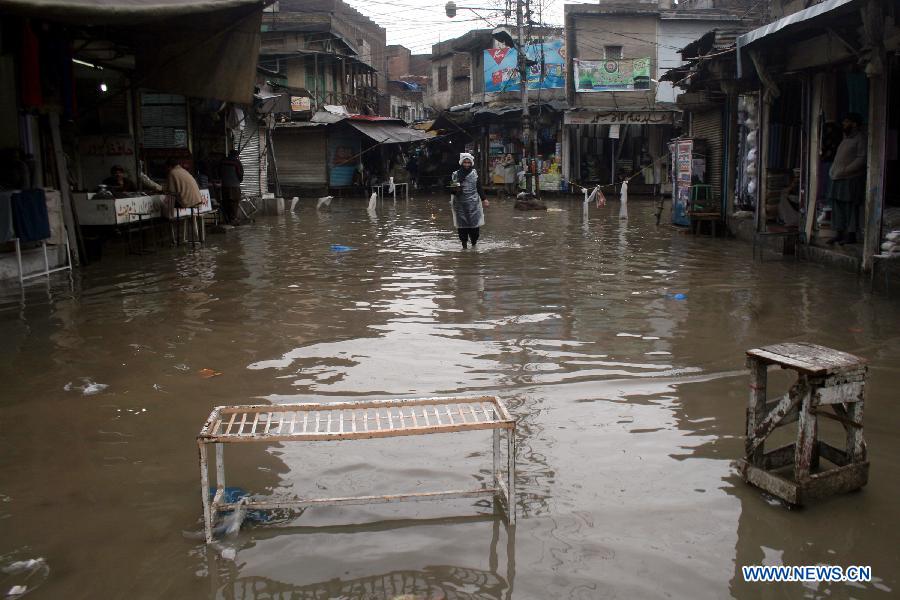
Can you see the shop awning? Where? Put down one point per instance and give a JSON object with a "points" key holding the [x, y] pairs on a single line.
{"points": [[267, 102], [808, 17], [796, 18], [388, 132], [205, 49]]}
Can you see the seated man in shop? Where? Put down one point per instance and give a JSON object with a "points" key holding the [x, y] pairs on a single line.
{"points": [[118, 182], [181, 188]]}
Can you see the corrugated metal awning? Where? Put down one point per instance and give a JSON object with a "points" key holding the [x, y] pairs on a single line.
{"points": [[388, 133], [796, 18]]}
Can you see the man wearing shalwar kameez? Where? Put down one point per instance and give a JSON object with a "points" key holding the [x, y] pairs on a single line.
{"points": [[848, 182], [467, 201]]}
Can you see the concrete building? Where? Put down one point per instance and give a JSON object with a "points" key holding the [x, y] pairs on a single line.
{"points": [[451, 72], [407, 89], [621, 116], [329, 54]]}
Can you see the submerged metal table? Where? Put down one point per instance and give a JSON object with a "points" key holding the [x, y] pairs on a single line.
{"points": [[355, 421]]}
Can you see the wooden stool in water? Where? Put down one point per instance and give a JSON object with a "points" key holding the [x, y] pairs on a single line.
{"points": [[826, 379], [354, 421]]}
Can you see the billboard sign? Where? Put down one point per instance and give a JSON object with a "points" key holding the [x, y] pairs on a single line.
{"points": [[501, 73], [612, 75]]}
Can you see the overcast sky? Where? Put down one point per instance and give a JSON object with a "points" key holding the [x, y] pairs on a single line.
{"points": [[417, 24]]}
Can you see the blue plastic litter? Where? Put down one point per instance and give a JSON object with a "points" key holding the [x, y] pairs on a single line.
{"points": [[680, 297], [234, 494], [339, 248]]}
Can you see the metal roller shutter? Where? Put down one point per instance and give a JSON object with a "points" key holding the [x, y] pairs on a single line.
{"points": [[253, 158], [301, 155], [707, 126]]}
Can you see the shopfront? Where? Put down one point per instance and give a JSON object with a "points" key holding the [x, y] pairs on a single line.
{"points": [[792, 127], [607, 146], [504, 137]]}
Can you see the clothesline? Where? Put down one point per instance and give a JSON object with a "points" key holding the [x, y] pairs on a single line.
{"points": [[659, 160]]}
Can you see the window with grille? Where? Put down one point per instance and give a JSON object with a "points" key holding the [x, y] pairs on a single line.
{"points": [[612, 52]]}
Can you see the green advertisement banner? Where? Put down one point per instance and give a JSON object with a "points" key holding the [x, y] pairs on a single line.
{"points": [[612, 75]]}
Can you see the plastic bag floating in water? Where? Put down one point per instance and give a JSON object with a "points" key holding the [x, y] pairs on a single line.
{"points": [[88, 389], [340, 248], [23, 576]]}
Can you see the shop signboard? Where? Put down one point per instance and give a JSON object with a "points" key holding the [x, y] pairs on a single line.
{"points": [[619, 117], [301, 104], [343, 157], [612, 75], [501, 72], [684, 157]]}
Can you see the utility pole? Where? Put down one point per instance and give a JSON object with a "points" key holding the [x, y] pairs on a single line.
{"points": [[523, 92]]}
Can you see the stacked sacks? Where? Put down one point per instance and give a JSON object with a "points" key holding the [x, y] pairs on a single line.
{"points": [[891, 245]]}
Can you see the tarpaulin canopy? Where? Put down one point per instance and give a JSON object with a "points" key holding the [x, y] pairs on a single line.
{"points": [[205, 49], [267, 102], [387, 132]]}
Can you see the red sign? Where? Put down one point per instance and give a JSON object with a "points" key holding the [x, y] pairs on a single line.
{"points": [[498, 54]]}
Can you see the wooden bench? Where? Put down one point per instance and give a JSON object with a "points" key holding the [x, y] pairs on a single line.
{"points": [[826, 378], [354, 421]]}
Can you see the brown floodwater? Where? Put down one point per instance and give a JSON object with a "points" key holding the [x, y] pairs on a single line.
{"points": [[629, 401]]}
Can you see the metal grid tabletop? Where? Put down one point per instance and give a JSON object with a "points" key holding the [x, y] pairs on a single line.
{"points": [[353, 420]]}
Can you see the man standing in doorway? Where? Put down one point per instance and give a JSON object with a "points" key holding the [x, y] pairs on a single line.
{"points": [[232, 175], [848, 182]]}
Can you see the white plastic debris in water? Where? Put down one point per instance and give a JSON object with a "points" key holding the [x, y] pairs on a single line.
{"points": [[229, 553], [24, 576], [373, 200], [623, 195], [324, 201], [232, 522], [88, 387]]}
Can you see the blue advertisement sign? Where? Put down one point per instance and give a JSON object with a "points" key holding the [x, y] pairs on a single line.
{"points": [[501, 73]]}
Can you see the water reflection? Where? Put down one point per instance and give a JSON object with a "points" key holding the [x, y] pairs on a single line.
{"points": [[630, 404], [484, 545]]}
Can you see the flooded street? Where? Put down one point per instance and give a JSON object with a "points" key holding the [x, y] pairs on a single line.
{"points": [[630, 402]]}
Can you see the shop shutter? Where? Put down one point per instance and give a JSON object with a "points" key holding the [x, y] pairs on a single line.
{"points": [[164, 119], [301, 155], [252, 143], [707, 126]]}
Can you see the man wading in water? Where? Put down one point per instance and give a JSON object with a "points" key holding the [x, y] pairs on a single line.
{"points": [[467, 201]]}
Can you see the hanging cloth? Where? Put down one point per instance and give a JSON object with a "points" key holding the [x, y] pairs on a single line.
{"points": [[30, 217], [30, 70], [6, 217]]}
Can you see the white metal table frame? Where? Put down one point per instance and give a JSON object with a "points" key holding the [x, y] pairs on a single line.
{"points": [[355, 421], [381, 187], [47, 270]]}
